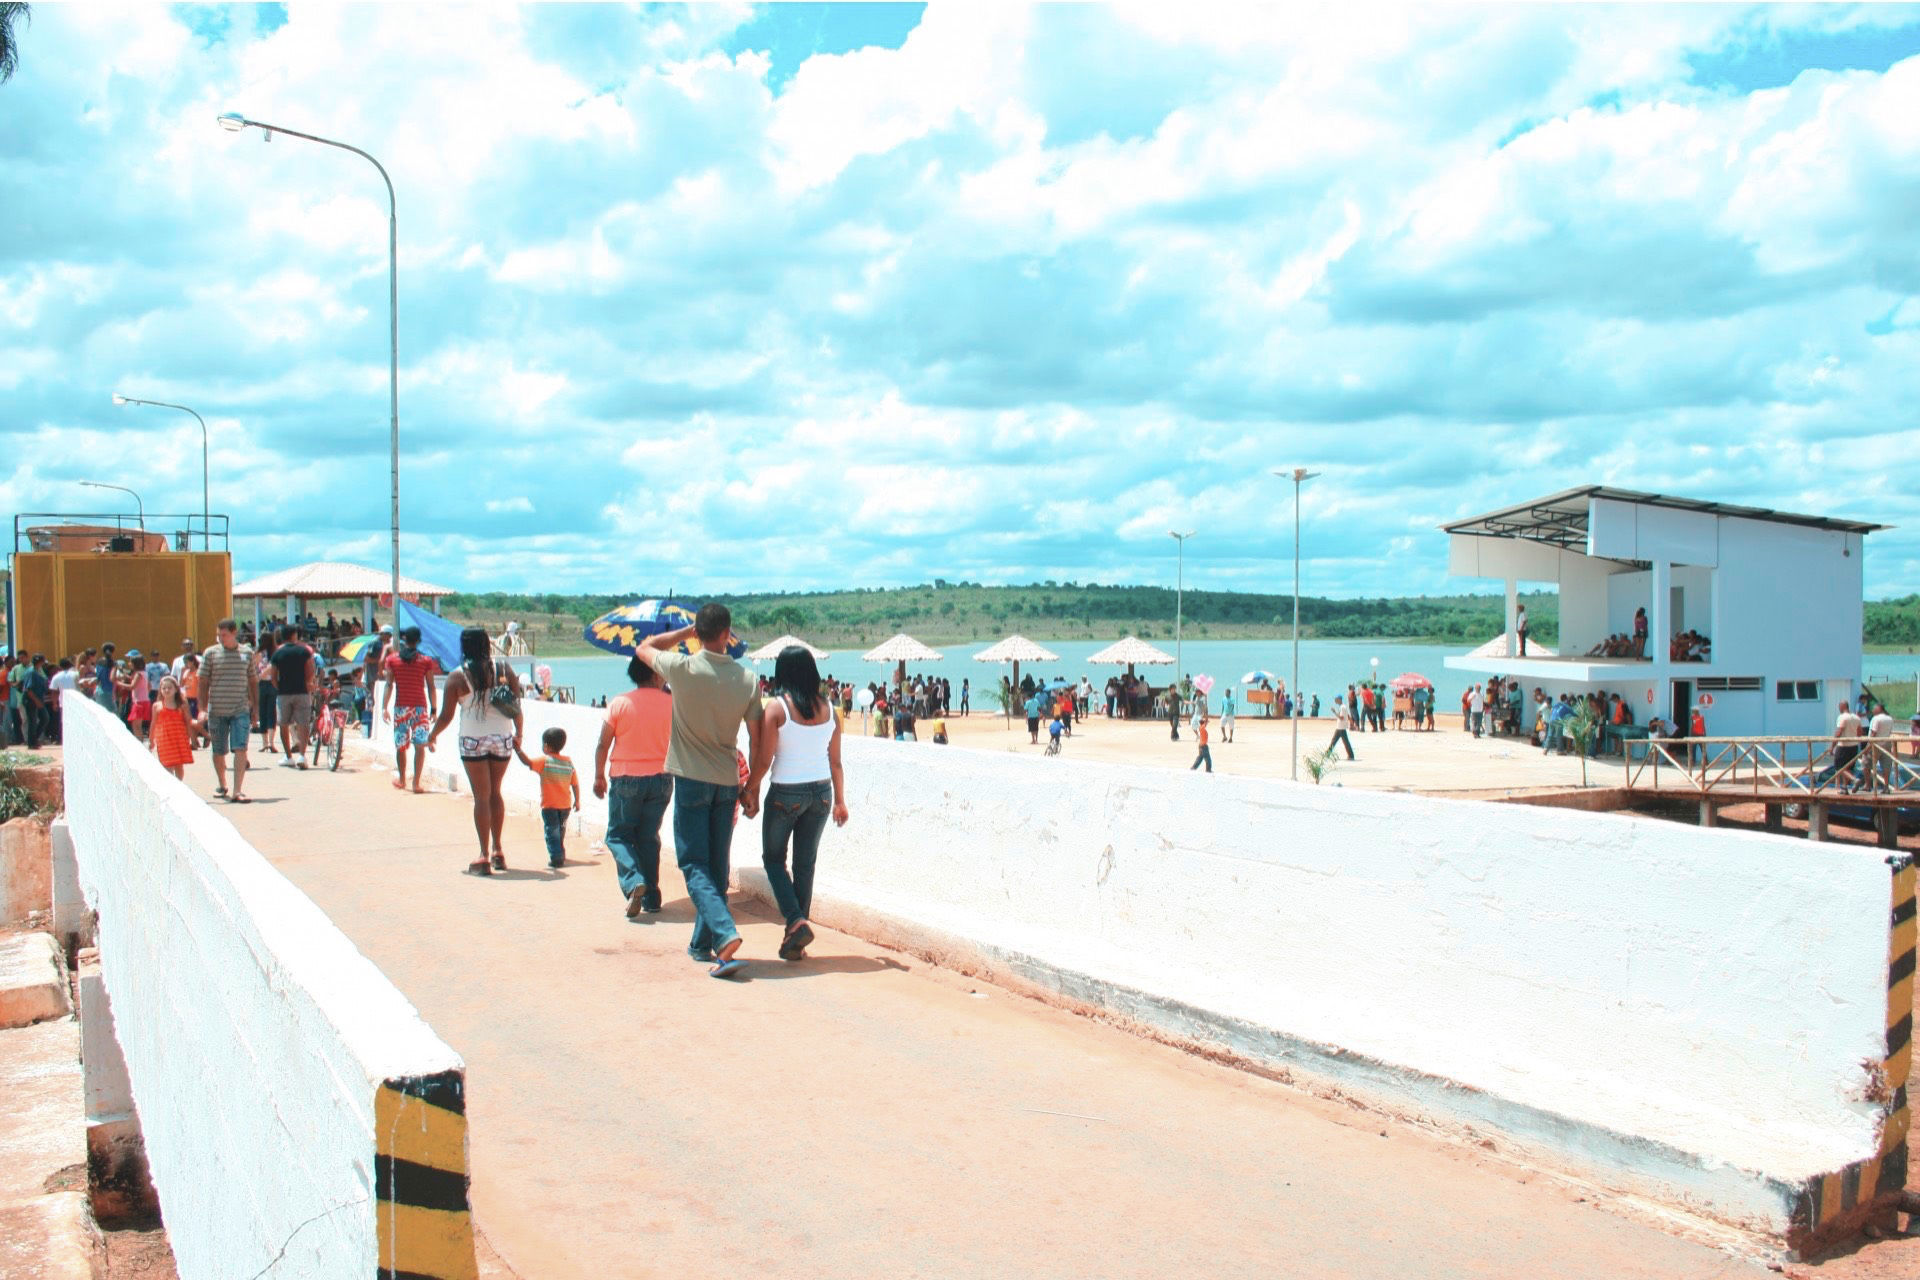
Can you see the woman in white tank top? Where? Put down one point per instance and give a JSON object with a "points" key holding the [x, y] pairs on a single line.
{"points": [[799, 753]]}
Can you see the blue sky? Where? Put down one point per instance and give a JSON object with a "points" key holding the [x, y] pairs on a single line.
{"points": [[819, 295]]}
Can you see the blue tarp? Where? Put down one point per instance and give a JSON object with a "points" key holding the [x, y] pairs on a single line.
{"points": [[439, 639]]}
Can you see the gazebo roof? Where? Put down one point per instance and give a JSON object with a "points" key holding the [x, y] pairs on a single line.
{"points": [[772, 649], [902, 648], [332, 580], [1131, 651], [1016, 649]]}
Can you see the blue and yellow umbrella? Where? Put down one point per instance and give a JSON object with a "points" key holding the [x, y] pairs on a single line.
{"points": [[622, 629], [356, 649]]}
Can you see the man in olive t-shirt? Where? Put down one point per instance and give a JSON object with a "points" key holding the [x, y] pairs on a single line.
{"points": [[712, 695]]}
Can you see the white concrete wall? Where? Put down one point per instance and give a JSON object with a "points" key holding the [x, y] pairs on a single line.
{"points": [[1688, 1007], [255, 1035]]}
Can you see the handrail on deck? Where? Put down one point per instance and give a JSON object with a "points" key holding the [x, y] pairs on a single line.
{"points": [[1812, 765]]}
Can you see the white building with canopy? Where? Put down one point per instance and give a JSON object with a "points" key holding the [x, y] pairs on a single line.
{"points": [[1777, 595]]}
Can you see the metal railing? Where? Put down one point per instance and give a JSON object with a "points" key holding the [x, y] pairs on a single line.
{"points": [[190, 525], [1818, 768]]}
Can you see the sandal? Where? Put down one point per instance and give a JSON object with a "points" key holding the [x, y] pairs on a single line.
{"points": [[499, 861], [238, 799], [727, 968], [220, 792], [479, 868]]}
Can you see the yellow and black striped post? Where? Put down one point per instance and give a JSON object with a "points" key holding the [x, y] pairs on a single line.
{"points": [[425, 1223], [1845, 1200]]}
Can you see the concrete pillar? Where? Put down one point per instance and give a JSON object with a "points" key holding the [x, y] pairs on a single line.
{"points": [[1816, 820], [293, 607], [1659, 627], [72, 918], [1886, 825], [1513, 604], [256, 620], [1707, 816], [1774, 818], [436, 606], [366, 613], [118, 1181]]}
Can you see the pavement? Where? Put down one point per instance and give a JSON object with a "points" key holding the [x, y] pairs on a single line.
{"points": [[864, 1113]]}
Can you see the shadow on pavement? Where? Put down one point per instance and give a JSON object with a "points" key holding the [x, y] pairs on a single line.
{"points": [[776, 970]]}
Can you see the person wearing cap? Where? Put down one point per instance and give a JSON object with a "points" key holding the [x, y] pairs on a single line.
{"points": [[187, 650]]}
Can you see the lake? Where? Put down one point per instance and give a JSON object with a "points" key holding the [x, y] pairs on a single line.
{"points": [[1325, 665]]}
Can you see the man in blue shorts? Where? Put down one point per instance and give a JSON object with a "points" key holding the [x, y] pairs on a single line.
{"points": [[229, 698]]}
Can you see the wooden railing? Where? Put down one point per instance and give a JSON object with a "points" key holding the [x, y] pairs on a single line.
{"points": [[1810, 766]]}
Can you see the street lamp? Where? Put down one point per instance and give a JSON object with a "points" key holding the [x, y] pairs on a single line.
{"points": [[234, 122], [141, 506], [1179, 590], [1299, 475], [206, 507]]}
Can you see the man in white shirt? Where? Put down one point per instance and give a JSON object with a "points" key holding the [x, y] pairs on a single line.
{"points": [[1880, 730], [1476, 709], [179, 668], [68, 678], [1846, 744], [1342, 721]]}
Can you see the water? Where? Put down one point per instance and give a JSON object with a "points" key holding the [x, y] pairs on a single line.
{"points": [[1326, 666]]}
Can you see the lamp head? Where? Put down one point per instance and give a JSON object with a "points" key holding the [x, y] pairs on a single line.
{"points": [[232, 121], [118, 398]]}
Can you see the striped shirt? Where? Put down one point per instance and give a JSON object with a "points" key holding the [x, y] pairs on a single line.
{"points": [[226, 678]]}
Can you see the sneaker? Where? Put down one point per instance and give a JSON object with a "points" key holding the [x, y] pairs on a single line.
{"points": [[636, 901], [651, 903], [555, 866]]}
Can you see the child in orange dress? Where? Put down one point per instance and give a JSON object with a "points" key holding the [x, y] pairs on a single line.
{"points": [[169, 733]]}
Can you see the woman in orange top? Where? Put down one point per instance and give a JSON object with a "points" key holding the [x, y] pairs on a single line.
{"points": [[169, 735], [633, 742]]}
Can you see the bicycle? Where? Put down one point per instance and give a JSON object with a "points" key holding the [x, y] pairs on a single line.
{"points": [[330, 733]]}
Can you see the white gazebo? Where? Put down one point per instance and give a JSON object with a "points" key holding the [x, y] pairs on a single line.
{"points": [[773, 648], [332, 580], [901, 650], [1016, 649]]}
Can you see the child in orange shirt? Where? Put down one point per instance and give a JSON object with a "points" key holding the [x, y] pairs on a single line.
{"points": [[559, 792], [1206, 755]]}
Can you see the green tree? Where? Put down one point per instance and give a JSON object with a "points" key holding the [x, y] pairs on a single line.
{"points": [[10, 15]]}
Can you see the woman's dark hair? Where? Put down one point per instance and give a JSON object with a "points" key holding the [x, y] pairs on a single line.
{"points": [[476, 659], [796, 676], [642, 675]]}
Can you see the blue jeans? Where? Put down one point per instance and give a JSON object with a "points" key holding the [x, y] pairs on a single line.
{"points": [[555, 822], [702, 840], [634, 809], [799, 810]]}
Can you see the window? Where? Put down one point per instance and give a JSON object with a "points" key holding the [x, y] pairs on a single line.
{"points": [[1796, 690], [1730, 684]]}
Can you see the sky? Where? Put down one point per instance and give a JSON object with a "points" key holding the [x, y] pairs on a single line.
{"points": [[814, 296]]}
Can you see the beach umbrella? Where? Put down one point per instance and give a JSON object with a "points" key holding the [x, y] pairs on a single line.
{"points": [[1258, 674], [621, 630], [356, 649], [1408, 682], [901, 650], [1016, 649], [1129, 652], [773, 649]]}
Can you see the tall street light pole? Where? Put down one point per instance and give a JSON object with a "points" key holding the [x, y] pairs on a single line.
{"points": [[120, 488], [1179, 591], [234, 122], [206, 506], [1299, 475]]}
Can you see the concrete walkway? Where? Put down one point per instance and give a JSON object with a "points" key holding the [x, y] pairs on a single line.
{"points": [[864, 1114]]}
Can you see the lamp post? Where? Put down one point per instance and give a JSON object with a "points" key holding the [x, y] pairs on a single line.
{"points": [[1179, 591], [1299, 475], [120, 488], [234, 122], [206, 506]]}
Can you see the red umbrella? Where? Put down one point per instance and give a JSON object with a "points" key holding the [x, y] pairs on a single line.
{"points": [[1409, 682]]}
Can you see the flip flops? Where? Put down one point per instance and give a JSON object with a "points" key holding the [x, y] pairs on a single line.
{"points": [[236, 799], [729, 957], [479, 868], [499, 861]]}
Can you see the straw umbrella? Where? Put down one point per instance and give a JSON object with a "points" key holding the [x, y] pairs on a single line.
{"points": [[1015, 649], [1129, 652], [771, 650], [901, 650]]}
